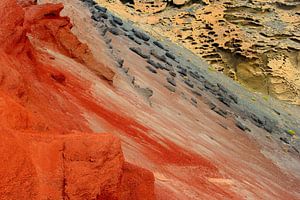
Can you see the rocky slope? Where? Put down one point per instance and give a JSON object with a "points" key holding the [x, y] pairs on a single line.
{"points": [[70, 90], [253, 42], [47, 152]]}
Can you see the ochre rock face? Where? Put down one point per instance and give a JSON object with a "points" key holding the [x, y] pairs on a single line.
{"points": [[47, 153]]}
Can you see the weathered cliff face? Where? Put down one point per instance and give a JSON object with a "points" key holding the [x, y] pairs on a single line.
{"points": [[47, 150], [254, 42]]}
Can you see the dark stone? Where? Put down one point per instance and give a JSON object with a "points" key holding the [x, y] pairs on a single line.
{"points": [[194, 100], [172, 73], [233, 97], [221, 112], [161, 66], [211, 105], [277, 112], [101, 9], [104, 31], [124, 29], [285, 140], [223, 125], [158, 56], [115, 30], [137, 41], [93, 17], [182, 71], [211, 87], [107, 41], [195, 75], [117, 20], [189, 83], [166, 67], [159, 45], [126, 70], [98, 16], [256, 120], [170, 55], [89, 3], [171, 80], [269, 125], [295, 149], [222, 88], [131, 37], [139, 51], [120, 62], [112, 23], [197, 93], [225, 99], [151, 69], [147, 92], [168, 63], [154, 64], [241, 126], [141, 35], [171, 88], [134, 39]]}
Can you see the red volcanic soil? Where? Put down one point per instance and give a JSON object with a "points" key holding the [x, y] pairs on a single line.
{"points": [[47, 150]]}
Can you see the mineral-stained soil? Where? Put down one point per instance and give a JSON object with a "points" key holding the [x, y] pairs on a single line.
{"points": [[254, 42]]}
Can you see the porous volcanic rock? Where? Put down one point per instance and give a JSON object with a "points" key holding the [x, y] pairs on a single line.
{"points": [[254, 42]]}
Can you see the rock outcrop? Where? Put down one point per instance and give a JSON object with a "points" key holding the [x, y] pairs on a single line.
{"points": [[47, 152], [254, 42]]}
